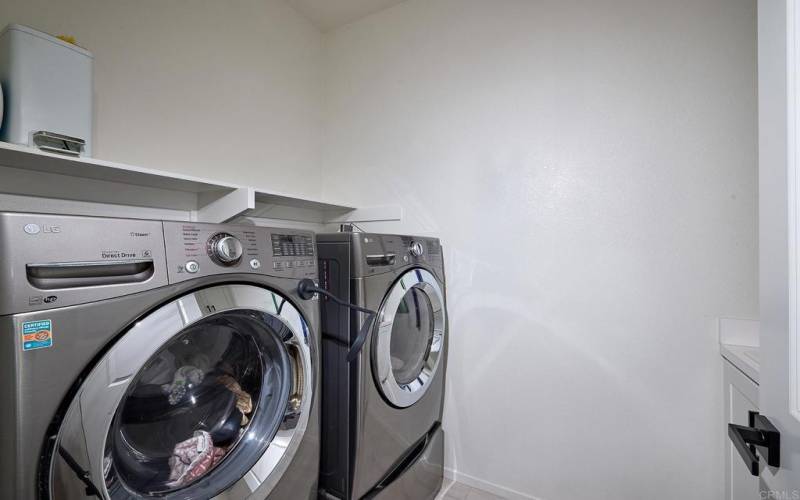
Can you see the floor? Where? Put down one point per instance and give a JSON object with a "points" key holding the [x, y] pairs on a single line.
{"points": [[459, 491]]}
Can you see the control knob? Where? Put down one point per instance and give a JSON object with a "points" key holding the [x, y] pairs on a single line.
{"points": [[416, 248], [224, 249]]}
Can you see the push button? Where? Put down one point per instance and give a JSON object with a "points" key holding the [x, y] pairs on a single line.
{"points": [[192, 267], [255, 263]]}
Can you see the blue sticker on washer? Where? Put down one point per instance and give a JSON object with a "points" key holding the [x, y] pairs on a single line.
{"points": [[37, 334]]}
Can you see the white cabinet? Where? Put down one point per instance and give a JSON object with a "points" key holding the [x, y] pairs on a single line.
{"points": [[741, 396]]}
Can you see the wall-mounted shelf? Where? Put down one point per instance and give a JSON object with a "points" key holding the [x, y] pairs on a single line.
{"points": [[34, 180]]}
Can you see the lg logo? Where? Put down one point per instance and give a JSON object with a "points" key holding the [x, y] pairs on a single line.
{"points": [[36, 229]]}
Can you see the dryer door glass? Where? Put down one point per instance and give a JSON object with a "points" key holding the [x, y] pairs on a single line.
{"points": [[205, 395], [410, 338]]}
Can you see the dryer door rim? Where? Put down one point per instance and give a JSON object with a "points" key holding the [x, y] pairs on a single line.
{"points": [[85, 427], [400, 394]]}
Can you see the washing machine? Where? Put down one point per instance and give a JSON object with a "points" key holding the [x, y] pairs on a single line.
{"points": [[150, 359], [382, 406]]}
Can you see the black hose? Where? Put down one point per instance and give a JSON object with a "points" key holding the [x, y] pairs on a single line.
{"points": [[306, 290]]}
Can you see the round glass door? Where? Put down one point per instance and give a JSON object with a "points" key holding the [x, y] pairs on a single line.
{"points": [[194, 401], [410, 337], [225, 390]]}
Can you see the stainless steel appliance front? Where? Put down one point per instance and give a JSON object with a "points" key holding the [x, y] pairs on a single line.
{"points": [[120, 336], [382, 412]]}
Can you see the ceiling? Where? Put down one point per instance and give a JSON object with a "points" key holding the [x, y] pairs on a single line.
{"points": [[328, 15]]}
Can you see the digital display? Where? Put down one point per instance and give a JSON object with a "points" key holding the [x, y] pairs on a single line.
{"points": [[292, 245]]}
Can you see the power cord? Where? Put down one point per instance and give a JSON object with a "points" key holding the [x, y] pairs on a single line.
{"points": [[306, 290]]}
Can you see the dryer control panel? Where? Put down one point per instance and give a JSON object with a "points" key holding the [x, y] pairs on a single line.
{"points": [[198, 249], [373, 253]]}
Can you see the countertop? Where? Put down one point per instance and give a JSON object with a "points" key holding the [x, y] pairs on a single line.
{"points": [[745, 358], [739, 344]]}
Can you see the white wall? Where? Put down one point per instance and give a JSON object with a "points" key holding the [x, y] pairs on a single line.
{"points": [[228, 90], [591, 169]]}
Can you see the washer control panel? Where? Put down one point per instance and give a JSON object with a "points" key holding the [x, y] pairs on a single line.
{"points": [[198, 249]]}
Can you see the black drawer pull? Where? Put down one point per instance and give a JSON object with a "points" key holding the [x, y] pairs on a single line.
{"points": [[760, 435]]}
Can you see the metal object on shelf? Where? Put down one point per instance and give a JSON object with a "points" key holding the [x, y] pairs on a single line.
{"points": [[58, 143]]}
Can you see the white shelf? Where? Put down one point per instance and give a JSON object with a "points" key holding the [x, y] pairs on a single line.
{"points": [[32, 180]]}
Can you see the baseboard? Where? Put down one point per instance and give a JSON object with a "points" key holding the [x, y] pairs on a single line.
{"points": [[487, 486]]}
